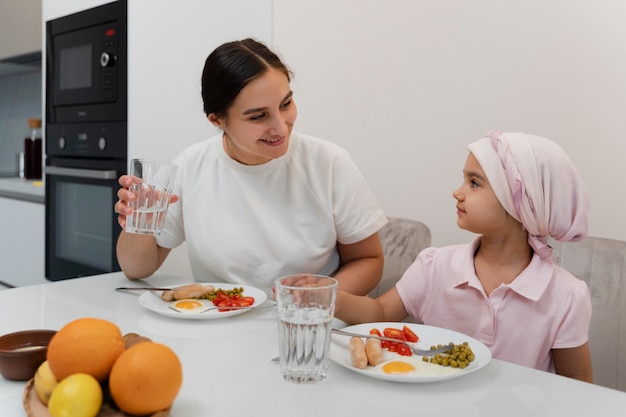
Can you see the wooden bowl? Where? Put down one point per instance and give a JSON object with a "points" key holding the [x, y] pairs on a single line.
{"points": [[21, 353], [35, 408]]}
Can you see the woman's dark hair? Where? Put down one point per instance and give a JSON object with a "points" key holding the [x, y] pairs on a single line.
{"points": [[230, 67]]}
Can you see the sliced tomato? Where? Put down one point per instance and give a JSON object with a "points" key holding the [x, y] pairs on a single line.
{"points": [[385, 344], [410, 334], [394, 333], [393, 346], [246, 301], [375, 332], [225, 303], [219, 297], [404, 350]]}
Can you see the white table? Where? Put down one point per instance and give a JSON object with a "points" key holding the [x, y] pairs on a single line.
{"points": [[228, 372]]}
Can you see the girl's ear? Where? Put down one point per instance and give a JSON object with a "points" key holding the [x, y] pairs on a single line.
{"points": [[215, 121]]}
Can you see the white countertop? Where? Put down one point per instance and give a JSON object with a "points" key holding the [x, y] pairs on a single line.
{"points": [[23, 189], [227, 368]]}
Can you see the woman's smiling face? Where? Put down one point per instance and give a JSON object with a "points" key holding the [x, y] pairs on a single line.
{"points": [[258, 125]]}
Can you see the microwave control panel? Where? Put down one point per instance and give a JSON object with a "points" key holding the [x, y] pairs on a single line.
{"points": [[108, 59], [88, 140]]}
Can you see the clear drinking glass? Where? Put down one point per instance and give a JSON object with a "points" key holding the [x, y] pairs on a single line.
{"points": [[306, 305], [152, 185]]}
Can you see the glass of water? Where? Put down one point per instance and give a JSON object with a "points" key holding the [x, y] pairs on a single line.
{"points": [[152, 186], [306, 305]]}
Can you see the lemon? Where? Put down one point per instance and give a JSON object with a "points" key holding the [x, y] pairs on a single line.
{"points": [[78, 395]]}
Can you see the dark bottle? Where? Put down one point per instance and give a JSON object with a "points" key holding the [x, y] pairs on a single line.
{"points": [[32, 151]]}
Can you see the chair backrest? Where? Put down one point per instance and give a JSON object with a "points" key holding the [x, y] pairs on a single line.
{"points": [[402, 240], [601, 263]]}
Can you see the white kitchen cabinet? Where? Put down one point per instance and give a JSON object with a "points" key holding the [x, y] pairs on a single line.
{"points": [[20, 27], [22, 238]]}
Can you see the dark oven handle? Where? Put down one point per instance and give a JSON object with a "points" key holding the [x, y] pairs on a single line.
{"points": [[82, 173]]}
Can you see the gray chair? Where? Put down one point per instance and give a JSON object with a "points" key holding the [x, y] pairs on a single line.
{"points": [[601, 263], [402, 240]]}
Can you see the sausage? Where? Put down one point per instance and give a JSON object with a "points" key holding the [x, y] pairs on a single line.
{"points": [[167, 295], [357, 352], [192, 291], [374, 351], [187, 291]]}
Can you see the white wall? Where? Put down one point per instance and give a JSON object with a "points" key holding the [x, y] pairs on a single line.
{"points": [[168, 43], [167, 49], [405, 85]]}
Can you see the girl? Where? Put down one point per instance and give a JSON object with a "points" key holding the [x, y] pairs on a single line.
{"points": [[503, 288]]}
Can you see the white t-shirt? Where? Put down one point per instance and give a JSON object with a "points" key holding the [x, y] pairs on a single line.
{"points": [[249, 224]]}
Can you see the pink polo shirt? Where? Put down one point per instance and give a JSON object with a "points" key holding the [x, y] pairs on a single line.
{"points": [[544, 308]]}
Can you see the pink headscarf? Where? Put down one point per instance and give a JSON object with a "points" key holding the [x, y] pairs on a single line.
{"points": [[537, 184]]}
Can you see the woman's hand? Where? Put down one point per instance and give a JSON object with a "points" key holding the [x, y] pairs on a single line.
{"points": [[125, 196], [139, 255]]}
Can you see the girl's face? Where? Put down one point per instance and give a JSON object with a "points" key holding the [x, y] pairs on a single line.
{"points": [[258, 125], [478, 209]]}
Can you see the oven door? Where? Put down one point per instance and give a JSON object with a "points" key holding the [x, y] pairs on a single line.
{"points": [[81, 225]]}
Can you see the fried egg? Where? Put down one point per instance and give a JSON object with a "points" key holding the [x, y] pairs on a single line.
{"points": [[410, 365], [190, 305], [397, 367]]}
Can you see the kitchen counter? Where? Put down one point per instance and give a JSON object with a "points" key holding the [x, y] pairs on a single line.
{"points": [[22, 189]]}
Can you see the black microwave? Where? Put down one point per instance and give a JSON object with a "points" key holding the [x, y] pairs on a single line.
{"points": [[86, 65]]}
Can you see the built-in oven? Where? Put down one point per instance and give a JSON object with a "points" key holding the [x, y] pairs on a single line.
{"points": [[81, 226], [85, 139]]}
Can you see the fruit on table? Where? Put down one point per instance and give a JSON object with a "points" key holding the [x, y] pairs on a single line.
{"points": [[45, 382], [78, 395], [85, 345], [146, 378], [131, 339]]}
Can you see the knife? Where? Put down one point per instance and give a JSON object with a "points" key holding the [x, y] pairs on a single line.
{"points": [[143, 289]]}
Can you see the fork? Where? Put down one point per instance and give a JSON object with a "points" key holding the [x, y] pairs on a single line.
{"points": [[416, 351]]}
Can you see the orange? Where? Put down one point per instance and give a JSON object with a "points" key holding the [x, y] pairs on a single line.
{"points": [[146, 378], [85, 345]]}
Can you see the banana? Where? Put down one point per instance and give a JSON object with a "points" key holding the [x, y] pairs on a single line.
{"points": [[45, 382]]}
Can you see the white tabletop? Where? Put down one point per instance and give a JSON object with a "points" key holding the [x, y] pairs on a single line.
{"points": [[227, 368]]}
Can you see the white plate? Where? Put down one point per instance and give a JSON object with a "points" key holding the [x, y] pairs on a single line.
{"points": [[152, 301], [425, 372]]}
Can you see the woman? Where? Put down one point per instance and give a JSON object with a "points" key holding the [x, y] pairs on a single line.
{"points": [[259, 201]]}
